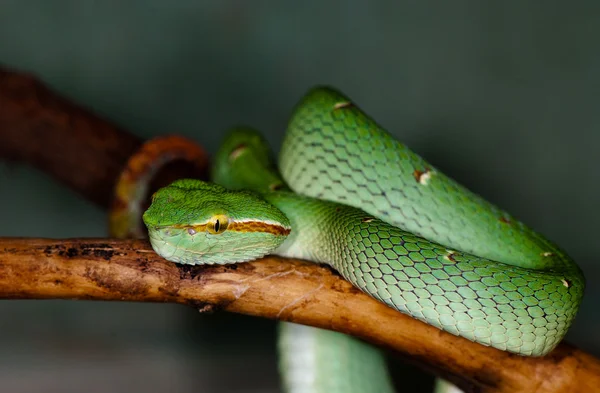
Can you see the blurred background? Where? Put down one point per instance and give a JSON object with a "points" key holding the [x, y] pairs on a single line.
{"points": [[501, 96]]}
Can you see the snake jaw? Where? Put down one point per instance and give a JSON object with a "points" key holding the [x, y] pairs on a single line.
{"points": [[204, 248]]}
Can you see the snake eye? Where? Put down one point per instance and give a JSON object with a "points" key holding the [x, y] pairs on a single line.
{"points": [[217, 224]]}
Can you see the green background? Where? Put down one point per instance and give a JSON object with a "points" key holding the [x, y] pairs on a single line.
{"points": [[500, 95]]}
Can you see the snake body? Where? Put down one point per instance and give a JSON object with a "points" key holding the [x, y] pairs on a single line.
{"points": [[353, 197]]}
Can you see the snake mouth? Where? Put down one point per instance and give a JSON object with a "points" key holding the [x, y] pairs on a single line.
{"points": [[179, 245], [243, 226]]}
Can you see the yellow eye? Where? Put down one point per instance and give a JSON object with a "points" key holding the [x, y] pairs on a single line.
{"points": [[217, 224]]}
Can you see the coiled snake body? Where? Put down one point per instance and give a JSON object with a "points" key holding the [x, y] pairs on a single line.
{"points": [[353, 197]]}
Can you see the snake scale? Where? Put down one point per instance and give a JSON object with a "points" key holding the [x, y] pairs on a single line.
{"points": [[348, 194]]}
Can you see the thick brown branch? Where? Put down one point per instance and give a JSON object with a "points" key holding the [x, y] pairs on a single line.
{"points": [[76, 147], [101, 269]]}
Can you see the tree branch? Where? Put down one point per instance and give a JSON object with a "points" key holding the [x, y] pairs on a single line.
{"points": [[51, 133], [277, 288]]}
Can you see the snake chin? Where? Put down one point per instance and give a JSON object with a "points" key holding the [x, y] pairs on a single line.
{"points": [[203, 248]]}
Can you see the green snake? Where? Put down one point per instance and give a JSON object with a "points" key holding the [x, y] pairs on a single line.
{"points": [[349, 195]]}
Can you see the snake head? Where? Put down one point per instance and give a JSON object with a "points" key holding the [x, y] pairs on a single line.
{"points": [[194, 222]]}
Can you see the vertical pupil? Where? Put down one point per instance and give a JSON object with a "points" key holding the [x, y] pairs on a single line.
{"points": [[217, 225]]}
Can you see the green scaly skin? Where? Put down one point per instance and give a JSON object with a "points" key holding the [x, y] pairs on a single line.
{"points": [[420, 242]]}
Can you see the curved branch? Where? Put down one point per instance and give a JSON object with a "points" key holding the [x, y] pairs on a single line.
{"points": [[276, 288], [53, 134]]}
